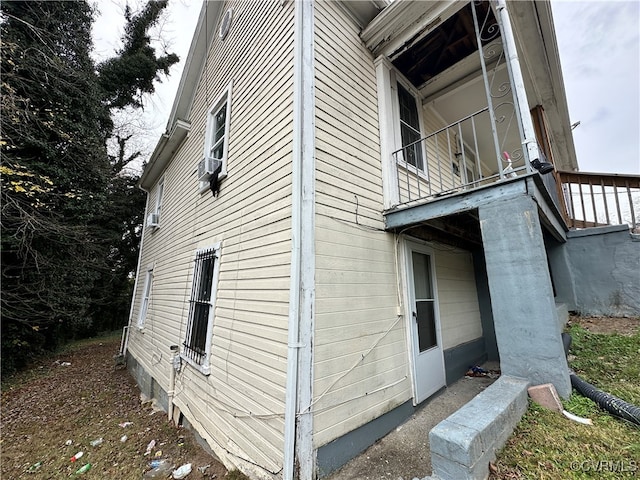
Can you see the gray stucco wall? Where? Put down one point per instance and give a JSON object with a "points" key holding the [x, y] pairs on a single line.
{"points": [[605, 269], [561, 273]]}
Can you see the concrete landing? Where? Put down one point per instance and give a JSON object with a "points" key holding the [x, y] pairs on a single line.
{"points": [[404, 453]]}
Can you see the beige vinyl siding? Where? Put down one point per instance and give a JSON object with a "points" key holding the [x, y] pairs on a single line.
{"points": [[356, 293], [457, 297], [239, 407]]}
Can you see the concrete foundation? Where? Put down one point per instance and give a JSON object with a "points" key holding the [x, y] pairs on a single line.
{"points": [[522, 300], [335, 454], [458, 359], [147, 383]]}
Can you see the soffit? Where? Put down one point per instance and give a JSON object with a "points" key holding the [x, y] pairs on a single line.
{"points": [[363, 11], [405, 22], [445, 46]]}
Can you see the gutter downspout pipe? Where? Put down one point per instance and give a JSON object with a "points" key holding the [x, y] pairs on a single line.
{"points": [[530, 144], [298, 445], [173, 366]]}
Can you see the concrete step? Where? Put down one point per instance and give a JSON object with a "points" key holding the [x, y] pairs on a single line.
{"points": [[464, 443]]}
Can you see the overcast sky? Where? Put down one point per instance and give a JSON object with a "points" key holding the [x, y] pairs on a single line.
{"points": [[599, 43]]}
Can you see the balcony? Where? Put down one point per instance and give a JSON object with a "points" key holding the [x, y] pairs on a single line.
{"points": [[453, 159], [599, 199], [448, 162]]}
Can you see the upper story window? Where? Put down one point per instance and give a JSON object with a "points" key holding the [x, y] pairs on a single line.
{"points": [[217, 135], [213, 167], [410, 128], [197, 341], [153, 219], [146, 295]]}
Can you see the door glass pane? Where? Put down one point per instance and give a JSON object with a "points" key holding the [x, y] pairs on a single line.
{"points": [[425, 312], [422, 276], [426, 325]]}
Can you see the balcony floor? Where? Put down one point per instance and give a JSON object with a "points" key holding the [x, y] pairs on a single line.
{"points": [[453, 217]]}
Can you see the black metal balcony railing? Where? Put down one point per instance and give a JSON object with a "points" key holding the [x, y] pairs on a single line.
{"points": [[450, 160]]}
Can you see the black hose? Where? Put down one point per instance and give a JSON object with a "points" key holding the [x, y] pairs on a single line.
{"points": [[606, 401]]}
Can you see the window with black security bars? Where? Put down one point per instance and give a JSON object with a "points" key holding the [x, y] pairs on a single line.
{"points": [[200, 305]]}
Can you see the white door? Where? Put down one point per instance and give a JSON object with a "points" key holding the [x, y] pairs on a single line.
{"points": [[428, 362]]}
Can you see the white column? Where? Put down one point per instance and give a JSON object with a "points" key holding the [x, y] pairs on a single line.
{"points": [[530, 144], [387, 135]]}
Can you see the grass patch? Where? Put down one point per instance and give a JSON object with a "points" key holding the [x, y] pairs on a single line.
{"points": [[546, 445]]}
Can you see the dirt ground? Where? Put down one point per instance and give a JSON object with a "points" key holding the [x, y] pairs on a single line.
{"points": [[56, 408], [607, 325]]}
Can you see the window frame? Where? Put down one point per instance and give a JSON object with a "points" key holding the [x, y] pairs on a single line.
{"points": [[399, 81], [159, 198], [146, 296], [221, 101], [187, 352]]}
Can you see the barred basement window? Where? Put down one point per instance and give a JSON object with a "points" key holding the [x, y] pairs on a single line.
{"points": [[197, 342]]}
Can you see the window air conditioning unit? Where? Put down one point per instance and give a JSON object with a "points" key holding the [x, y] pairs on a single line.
{"points": [[207, 167], [153, 220]]}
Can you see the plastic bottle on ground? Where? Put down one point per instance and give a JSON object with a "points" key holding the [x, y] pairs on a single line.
{"points": [[76, 456], [182, 472], [161, 469], [152, 444], [34, 467], [96, 442], [83, 469]]}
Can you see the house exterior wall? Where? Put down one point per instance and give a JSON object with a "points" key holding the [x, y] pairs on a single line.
{"points": [[361, 361], [356, 282], [239, 408], [457, 296], [361, 356]]}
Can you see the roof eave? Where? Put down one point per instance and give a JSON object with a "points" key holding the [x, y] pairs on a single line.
{"points": [[165, 149], [178, 125]]}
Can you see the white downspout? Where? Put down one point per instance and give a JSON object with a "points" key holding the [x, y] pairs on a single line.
{"points": [[520, 95], [298, 428], [175, 350]]}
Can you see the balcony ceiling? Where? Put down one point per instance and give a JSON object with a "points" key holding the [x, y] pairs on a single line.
{"points": [[445, 46]]}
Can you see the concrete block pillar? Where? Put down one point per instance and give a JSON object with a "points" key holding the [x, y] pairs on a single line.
{"points": [[524, 312]]}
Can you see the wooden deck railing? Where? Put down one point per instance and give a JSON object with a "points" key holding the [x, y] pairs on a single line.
{"points": [[597, 199]]}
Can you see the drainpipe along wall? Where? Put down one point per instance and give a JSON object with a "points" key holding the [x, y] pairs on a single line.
{"points": [[298, 434]]}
